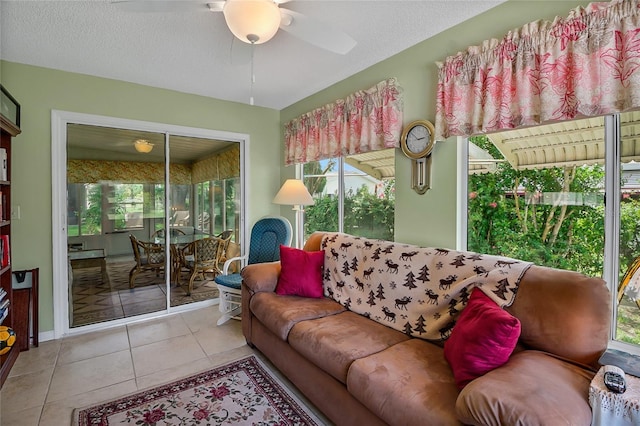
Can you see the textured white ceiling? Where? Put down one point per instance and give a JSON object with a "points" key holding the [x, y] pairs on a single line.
{"points": [[192, 51]]}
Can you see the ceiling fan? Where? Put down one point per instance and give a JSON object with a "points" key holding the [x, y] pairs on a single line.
{"points": [[257, 21]]}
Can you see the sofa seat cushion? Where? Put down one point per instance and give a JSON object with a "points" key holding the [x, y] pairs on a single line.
{"points": [[407, 384], [334, 342], [280, 313], [532, 388]]}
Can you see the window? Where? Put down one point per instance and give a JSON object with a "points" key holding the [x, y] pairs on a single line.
{"points": [[349, 198], [203, 203], [84, 206], [218, 202], [539, 194], [627, 313], [556, 205], [97, 208], [125, 205]]}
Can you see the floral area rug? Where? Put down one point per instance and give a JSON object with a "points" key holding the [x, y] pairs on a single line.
{"points": [[243, 392]]}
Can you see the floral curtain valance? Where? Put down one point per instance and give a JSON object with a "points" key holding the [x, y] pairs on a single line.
{"points": [[367, 120], [225, 165], [584, 65], [95, 171]]}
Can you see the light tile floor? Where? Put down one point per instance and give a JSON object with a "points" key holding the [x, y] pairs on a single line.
{"points": [[48, 382]]}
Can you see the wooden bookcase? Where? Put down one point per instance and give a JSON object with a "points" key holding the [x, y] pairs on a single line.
{"points": [[8, 131]]}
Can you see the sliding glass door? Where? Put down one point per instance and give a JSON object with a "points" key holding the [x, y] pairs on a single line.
{"points": [[115, 188], [205, 208], [127, 187]]}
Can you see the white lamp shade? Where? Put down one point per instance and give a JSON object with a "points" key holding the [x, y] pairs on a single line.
{"points": [[252, 21], [293, 193]]}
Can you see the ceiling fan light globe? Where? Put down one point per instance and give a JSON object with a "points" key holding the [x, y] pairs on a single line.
{"points": [[259, 19], [143, 146]]}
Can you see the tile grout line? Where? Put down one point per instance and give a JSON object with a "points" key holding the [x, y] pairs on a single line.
{"points": [[53, 372]]}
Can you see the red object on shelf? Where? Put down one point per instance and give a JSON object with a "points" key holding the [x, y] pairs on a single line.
{"points": [[6, 250]]}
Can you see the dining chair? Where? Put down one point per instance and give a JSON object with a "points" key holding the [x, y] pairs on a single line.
{"points": [[225, 234], [630, 283], [174, 232], [267, 235], [224, 248], [180, 218], [203, 221], [200, 257], [148, 257], [173, 251]]}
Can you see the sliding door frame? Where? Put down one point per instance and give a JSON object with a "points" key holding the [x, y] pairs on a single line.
{"points": [[59, 121]]}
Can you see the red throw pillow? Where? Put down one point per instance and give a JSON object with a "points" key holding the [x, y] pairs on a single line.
{"points": [[483, 338], [301, 273]]}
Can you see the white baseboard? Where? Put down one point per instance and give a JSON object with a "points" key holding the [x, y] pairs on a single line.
{"points": [[46, 336]]}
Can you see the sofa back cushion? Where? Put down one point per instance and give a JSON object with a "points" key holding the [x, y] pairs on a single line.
{"points": [[419, 291], [564, 312]]}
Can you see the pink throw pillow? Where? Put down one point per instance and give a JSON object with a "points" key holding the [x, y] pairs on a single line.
{"points": [[301, 273], [483, 338]]}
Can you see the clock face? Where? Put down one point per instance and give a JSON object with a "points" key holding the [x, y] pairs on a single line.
{"points": [[418, 138]]}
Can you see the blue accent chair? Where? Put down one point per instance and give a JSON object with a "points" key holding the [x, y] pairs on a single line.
{"points": [[267, 235]]}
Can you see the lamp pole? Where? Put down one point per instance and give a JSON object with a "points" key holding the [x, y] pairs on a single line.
{"points": [[299, 209]]}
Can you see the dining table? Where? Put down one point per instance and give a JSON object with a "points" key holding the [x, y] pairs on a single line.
{"points": [[177, 244], [180, 240]]}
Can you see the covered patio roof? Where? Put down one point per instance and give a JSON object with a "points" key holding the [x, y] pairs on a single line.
{"points": [[379, 164], [578, 142], [562, 144]]}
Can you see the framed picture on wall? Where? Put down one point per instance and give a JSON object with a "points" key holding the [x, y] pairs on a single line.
{"points": [[9, 107]]}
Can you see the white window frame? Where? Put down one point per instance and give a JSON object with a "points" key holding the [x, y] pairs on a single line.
{"points": [[612, 216]]}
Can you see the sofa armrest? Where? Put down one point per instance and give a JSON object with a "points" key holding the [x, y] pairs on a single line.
{"points": [[532, 388], [261, 276], [564, 313]]}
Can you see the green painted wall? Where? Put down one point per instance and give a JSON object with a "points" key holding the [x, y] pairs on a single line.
{"points": [[421, 219], [40, 90], [430, 219]]}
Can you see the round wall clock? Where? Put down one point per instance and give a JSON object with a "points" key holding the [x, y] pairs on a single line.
{"points": [[417, 139]]}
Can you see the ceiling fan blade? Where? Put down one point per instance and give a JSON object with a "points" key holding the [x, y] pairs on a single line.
{"points": [[317, 33], [160, 5]]}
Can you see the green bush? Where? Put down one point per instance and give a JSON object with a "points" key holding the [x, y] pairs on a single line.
{"points": [[365, 214]]}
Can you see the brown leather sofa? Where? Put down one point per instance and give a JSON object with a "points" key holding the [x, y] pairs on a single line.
{"points": [[360, 372]]}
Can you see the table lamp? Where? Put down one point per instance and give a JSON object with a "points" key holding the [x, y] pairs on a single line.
{"points": [[294, 193]]}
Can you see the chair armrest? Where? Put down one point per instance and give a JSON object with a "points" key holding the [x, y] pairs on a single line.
{"points": [[261, 276], [228, 262]]}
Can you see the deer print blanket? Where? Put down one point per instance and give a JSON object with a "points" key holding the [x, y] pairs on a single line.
{"points": [[419, 291]]}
